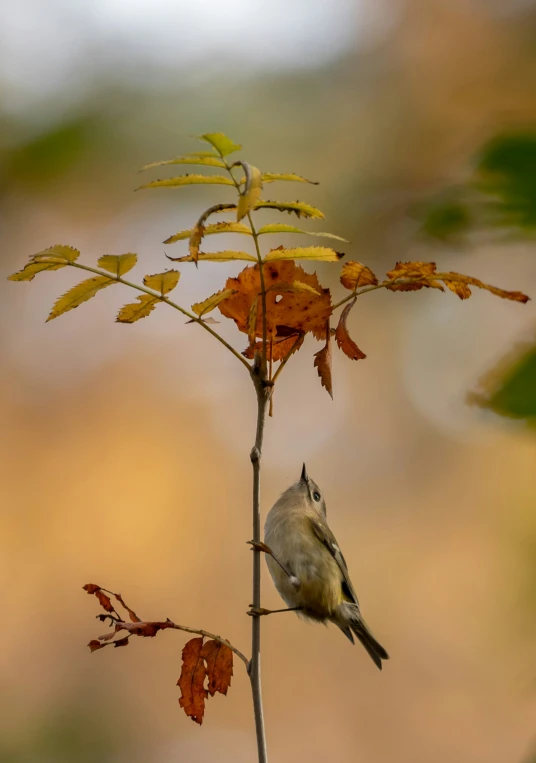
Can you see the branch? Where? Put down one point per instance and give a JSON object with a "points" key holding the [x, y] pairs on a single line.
{"points": [[193, 318]]}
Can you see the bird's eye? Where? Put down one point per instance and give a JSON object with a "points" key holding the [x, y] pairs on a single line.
{"points": [[316, 495]]}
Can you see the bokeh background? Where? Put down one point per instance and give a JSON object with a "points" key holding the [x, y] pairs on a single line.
{"points": [[124, 449]]}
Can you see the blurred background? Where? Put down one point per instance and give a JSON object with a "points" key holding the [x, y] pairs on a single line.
{"points": [[125, 449]]}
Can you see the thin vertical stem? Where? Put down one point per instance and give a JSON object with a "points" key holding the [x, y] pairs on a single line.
{"points": [[263, 390]]}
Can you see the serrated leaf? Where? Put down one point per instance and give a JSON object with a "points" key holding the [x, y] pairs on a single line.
{"points": [[271, 177], [300, 208], [200, 308], [53, 258], [223, 145], [252, 191], [182, 180], [118, 264], [162, 282], [459, 284], [219, 661], [284, 228], [320, 253], [343, 338], [323, 364], [355, 274], [192, 680], [135, 310], [208, 160], [224, 227], [79, 294], [225, 256], [420, 272]]}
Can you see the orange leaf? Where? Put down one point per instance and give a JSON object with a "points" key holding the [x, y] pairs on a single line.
{"points": [[354, 275], [461, 289], [279, 348], [219, 660], [300, 310], [344, 340], [323, 363], [192, 680], [413, 270]]}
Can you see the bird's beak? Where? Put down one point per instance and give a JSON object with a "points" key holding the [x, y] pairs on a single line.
{"points": [[304, 476]]}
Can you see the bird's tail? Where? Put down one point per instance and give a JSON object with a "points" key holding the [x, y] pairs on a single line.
{"points": [[354, 622]]}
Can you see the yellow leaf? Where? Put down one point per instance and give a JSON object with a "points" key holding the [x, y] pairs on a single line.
{"points": [[163, 282], [221, 143], [271, 177], [461, 289], [322, 253], [224, 227], [225, 256], [252, 191], [200, 308], [299, 208], [284, 228], [118, 264], [136, 310], [206, 161], [354, 275], [295, 286], [79, 294], [53, 258], [183, 180]]}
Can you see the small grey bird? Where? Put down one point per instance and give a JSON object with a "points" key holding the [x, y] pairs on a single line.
{"points": [[307, 566]]}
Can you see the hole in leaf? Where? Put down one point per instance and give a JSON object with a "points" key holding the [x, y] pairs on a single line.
{"points": [[279, 298]]}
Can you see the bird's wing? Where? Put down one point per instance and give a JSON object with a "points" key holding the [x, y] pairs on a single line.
{"points": [[325, 536]]}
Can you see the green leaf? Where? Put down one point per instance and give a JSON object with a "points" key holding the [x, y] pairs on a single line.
{"points": [[118, 264], [135, 310], [298, 207], [162, 282], [183, 180], [200, 308], [321, 253], [252, 191], [79, 294], [223, 145], [207, 161], [510, 388], [224, 227], [284, 228], [225, 256], [53, 258]]}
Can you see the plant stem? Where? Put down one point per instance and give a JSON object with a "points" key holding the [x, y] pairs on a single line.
{"points": [[263, 390]]}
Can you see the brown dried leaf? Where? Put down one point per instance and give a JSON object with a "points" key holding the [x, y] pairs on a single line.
{"points": [[323, 363], [133, 616], [195, 241], [104, 600], [192, 680], [459, 284], [94, 645], [354, 275], [121, 641], [297, 308], [219, 660], [413, 270], [343, 338]]}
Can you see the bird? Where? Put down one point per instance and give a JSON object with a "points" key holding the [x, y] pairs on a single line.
{"points": [[307, 565]]}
